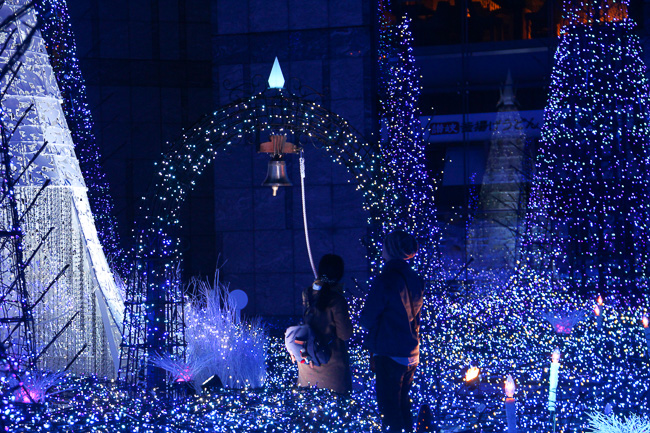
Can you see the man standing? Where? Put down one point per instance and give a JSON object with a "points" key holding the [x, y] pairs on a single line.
{"points": [[391, 315]]}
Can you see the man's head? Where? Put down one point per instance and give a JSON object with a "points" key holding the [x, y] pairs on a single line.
{"points": [[399, 245]]}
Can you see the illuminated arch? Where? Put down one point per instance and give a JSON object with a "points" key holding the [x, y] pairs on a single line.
{"points": [[271, 111], [154, 313]]}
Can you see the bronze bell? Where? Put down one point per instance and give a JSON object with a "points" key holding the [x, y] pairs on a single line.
{"points": [[277, 174]]}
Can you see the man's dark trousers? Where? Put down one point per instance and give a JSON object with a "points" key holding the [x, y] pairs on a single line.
{"points": [[393, 385]]}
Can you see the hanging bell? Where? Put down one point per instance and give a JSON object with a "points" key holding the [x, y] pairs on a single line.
{"points": [[277, 174]]}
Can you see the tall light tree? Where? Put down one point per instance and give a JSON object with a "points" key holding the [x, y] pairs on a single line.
{"points": [[588, 226], [406, 187]]}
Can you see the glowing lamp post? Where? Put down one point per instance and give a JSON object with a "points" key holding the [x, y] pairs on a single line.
{"points": [[646, 331], [511, 405]]}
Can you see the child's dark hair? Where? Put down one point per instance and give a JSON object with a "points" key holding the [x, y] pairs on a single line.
{"points": [[330, 272]]}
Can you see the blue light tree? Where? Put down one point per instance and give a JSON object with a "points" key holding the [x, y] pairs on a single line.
{"points": [[408, 191], [588, 222]]}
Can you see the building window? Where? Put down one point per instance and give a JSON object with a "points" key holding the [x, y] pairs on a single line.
{"points": [[440, 22]]}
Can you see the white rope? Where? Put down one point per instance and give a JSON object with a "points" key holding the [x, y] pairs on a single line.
{"points": [[304, 212]]}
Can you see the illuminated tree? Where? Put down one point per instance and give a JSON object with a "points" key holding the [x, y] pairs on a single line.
{"points": [[589, 205], [408, 190]]}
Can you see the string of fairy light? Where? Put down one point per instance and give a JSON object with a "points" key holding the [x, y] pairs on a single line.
{"points": [[409, 192], [60, 42], [512, 331], [276, 111], [272, 111], [502, 334], [589, 210], [510, 334]]}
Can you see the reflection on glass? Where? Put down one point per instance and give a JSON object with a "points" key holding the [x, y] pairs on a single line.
{"points": [[437, 22]]}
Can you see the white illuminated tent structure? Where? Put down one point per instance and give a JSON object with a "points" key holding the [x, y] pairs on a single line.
{"points": [[76, 306], [494, 232]]}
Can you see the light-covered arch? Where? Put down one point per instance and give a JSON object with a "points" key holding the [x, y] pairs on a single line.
{"points": [[271, 111], [154, 312]]}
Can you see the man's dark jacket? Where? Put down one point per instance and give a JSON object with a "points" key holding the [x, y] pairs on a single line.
{"points": [[392, 311]]}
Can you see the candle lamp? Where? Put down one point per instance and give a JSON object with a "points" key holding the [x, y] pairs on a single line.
{"points": [[646, 331], [553, 379], [599, 309], [472, 378], [471, 375], [511, 405], [555, 370]]}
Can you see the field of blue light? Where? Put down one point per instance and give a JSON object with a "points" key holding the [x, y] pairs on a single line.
{"points": [[603, 369]]}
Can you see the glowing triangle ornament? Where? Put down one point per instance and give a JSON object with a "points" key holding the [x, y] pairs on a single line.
{"points": [[276, 79]]}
